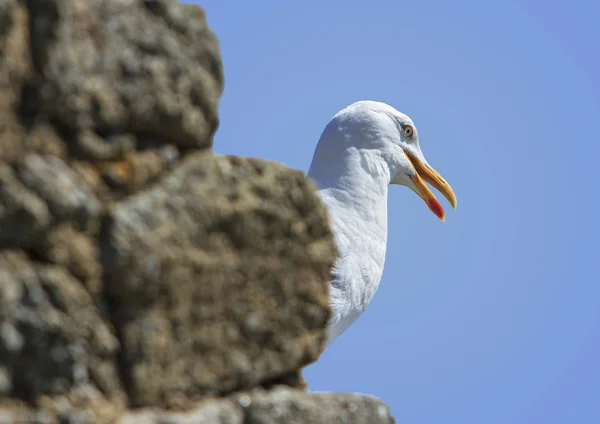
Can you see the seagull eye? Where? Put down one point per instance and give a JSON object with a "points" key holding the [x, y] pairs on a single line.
{"points": [[408, 131]]}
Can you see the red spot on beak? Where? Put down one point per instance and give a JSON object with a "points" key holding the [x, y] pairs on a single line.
{"points": [[436, 208]]}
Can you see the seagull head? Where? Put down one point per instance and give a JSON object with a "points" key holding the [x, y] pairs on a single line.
{"points": [[386, 141], [412, 169]]}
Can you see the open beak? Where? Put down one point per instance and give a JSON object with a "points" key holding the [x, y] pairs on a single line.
{"points": [[427, 173]]}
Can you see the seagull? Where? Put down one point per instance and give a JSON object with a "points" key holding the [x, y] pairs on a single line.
{"points": [[363, 149]]}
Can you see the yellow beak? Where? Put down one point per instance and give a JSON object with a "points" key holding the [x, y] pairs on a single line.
{"points": [[427, 173]]}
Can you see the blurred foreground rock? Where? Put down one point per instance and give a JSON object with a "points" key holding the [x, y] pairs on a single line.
{"points": [[143, 278]]}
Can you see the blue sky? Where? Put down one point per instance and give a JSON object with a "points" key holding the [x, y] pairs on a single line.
{"points": [[494, 315]]}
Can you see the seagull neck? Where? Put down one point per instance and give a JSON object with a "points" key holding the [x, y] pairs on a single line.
{"points": [[359, 183]]}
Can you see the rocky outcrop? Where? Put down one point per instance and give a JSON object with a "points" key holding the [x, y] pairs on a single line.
{"points": [[143, 278]]}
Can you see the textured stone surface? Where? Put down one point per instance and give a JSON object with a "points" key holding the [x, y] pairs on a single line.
{"points": [[277, 406], [15, 68], [67, 198], [23, 216], [97, 98], [123, 84], [144, 279], [61, 411], [217, 278], [144, 66], [284, 406], [280, 405], [214, 411], [53, 340]]}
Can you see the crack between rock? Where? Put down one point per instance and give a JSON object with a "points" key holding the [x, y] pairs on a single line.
{"points": [[111, 308]]}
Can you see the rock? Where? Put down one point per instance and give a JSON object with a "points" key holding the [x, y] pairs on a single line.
{"points": [[53, 340], [280, 405], [217, 278], [284, 406], [67, 197], [17, 412], [75, 251], [277, 406], [143, 278], [15, 68], [23, 215], [213, 411], [114, 67]]}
